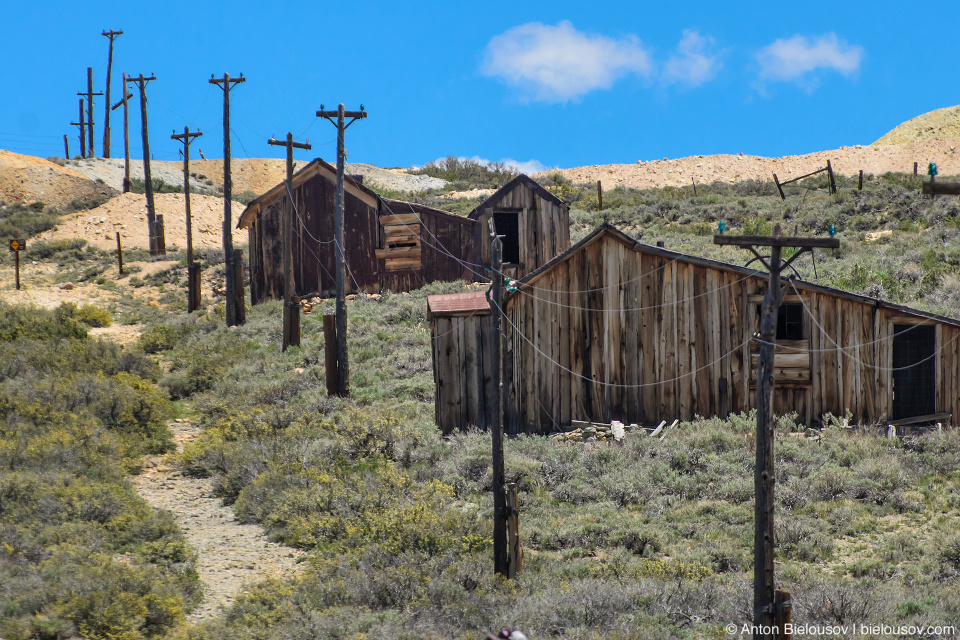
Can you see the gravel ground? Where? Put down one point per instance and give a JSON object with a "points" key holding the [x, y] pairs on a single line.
{"points": [[230, 555], [394, 179]]}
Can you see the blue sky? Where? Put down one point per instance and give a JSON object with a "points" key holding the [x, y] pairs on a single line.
{"points": [[542, 83]]}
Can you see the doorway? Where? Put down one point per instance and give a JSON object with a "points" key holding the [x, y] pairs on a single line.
{"points": [[914, 370]]}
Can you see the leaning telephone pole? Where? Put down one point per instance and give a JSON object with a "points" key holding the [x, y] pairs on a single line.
{"points": [[193, 269], [765, 615], [343, 367], [501, 559], [291, 309], [89, 95], [106, 119], [126, 133], [155, 226], [232, 316]]}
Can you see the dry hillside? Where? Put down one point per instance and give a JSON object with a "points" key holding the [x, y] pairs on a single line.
{"points": [[938, 124]]}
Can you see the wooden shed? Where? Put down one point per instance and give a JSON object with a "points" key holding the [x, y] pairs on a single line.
{"points": [[389, 245], [534, 224], [614, 329]]}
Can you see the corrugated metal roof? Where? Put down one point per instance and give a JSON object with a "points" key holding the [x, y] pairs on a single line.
{"points": [[452, 304]]}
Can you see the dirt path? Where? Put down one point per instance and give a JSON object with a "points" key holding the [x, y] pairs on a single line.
{"points": [[230, 554]]}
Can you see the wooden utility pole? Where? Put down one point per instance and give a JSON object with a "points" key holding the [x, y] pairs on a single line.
{"points": [[343, 367], [501, 560], [193, 269], [599, 196], [89, 95], [126, 134], [83, 131], [233, 316], [106, 118], [291, 308], [764, 607], [156, 235], [66, 148]]}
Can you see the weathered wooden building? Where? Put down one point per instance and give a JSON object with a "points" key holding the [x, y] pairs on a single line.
{"points": [[614, 329], [534, 225], [389, 245]]}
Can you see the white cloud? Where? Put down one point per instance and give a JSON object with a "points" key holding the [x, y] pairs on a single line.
{"points": [[793, 58], [692, 65], [559, 63]]}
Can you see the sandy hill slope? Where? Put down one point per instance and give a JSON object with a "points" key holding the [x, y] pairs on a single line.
{"points": [[681, 172], [938, 124], [127, 214], [249, 175], [28, 179]]}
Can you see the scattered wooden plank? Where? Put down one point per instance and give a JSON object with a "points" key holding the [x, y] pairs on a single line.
{"points": [[401, 264], [399, 219], [659, 428]]}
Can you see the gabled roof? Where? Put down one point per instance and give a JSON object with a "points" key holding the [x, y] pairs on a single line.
{"points": [[609, 230], [507, 188], [314, 168]]}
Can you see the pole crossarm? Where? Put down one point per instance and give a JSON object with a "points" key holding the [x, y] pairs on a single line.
{"points": [[227, 81], [778, 241]]}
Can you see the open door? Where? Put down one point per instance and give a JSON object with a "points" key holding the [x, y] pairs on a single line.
{"points": [[914, 371]]}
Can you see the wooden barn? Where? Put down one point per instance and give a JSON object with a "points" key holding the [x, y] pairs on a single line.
{"points": [[614, 329], [534, 225], [389, 245]]}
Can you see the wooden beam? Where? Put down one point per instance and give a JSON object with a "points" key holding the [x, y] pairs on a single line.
{"points": [[400, 219], [398, 252], [777, 241], [941, 188]]}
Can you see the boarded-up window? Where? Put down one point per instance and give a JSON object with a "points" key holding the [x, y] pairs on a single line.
{"points": [[400, 248], [507, 224]]}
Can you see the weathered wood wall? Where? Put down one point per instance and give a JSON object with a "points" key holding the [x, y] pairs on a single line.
{"points": [[462, 371], [437, 234], [543, 223], [673, 336]]}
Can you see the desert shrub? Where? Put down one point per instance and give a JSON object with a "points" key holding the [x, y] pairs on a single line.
{"points": [[468, 174], [159, 186], [25, 221], [33, 323], [157, 338]]}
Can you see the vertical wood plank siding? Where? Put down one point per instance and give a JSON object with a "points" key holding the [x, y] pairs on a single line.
{"points": [[665, 332], [314, 252]]}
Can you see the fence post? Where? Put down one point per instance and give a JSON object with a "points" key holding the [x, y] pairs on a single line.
{"points": [[330, 354], [119, 254]]}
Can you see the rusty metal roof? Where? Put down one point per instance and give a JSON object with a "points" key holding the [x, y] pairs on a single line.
{"points": [[456, 304]]}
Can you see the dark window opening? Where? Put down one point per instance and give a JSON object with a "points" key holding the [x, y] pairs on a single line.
{"points": [[914, 371], [789, 321], [507, 225]]}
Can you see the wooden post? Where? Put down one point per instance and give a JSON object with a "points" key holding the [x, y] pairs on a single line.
{"points": [[330, 353], [239, 303], [343, 367], [860, 184], [500, 557], [764, 607], [915, 168], [694, 187], [232, 316], [106, 119], [776, 181], [783, 622], [193, 270], [513, 532], [291, 307], [156, 246], [66, 148], [119, 255], [599, 196]]}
